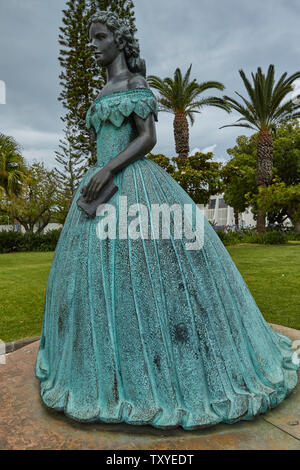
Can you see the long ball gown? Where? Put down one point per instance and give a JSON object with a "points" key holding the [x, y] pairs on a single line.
{"points": [[146, 331]]}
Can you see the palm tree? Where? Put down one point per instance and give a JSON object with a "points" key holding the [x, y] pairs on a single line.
{"points": [[180, 96], [12, 166], [263, 110]]}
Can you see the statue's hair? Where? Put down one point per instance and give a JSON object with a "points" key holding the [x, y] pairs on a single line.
{"points": [[123, 32]]}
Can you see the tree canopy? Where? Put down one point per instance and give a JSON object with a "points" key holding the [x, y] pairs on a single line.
{"points": [[240, 174], [198, 175], [36, 203], [12, 166]]}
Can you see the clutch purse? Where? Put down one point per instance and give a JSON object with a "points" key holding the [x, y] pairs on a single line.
{"points": [[90, 208]]}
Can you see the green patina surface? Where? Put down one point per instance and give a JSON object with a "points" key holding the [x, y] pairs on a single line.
{"points": [[145, 330]]}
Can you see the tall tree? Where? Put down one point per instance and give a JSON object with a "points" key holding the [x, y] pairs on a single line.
{"points": [[71, 163], [68, 174], [239, 175], [12, 166], [263, 110], [81, 81], [281, 200], [181, 96], [80, 77]]}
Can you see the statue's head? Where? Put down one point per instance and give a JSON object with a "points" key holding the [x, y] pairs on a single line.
{"points": [[111, 36]]}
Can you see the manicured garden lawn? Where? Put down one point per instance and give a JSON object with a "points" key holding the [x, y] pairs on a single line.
{"points": [[271, 272], [23, 278]]}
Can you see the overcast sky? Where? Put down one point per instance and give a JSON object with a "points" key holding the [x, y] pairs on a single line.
{"points": [[218, 37]]}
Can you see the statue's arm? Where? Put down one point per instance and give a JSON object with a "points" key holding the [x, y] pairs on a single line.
{"points": [[139, 147], [146, 139]]}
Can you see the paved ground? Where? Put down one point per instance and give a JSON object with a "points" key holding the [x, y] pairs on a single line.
{"points": [[26, 424]]}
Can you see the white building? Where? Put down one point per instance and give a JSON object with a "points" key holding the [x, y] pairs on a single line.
{"points": [[220, 214]]}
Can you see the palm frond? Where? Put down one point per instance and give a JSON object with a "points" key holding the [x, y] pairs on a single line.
{"points": [[265, 107], [244, 111], [187, 76], [181, 93], [209, 85], [248, 86], [191, 117], [239, 125]]}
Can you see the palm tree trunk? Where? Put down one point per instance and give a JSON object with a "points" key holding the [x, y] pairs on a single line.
{"points": [[264, 169], [236, 218], [181, 135]]}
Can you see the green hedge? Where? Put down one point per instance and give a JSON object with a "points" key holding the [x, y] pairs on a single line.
{"points": [[274, 237], [15, 241], [294, 236]]}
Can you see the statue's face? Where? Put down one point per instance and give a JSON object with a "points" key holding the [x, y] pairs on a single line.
{"points": [[104, 44]]}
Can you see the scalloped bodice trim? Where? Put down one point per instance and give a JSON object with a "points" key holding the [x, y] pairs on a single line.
{"points": [[116, 107]]}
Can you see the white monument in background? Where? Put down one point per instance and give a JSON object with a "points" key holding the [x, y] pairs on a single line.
{"points": [[222, 215]]}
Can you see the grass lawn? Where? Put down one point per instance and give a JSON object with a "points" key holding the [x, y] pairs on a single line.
{"points": [[23, 278], [271, 272]]}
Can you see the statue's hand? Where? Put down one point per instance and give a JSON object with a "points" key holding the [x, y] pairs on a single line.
{"points": [[96, 183]]}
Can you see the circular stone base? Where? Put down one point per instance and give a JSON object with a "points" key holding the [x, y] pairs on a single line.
{"points": [[25, 423]]}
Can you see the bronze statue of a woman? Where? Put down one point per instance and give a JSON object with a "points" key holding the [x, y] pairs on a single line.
{"points": [[142, 330]]}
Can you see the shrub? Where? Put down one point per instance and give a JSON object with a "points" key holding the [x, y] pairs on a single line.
{"points": [[294, 236], [10, 241], [17, 242], [230, 237], [275, 238]]}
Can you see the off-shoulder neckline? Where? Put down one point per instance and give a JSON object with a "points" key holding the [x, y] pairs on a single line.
{"points": [[121, 91]]}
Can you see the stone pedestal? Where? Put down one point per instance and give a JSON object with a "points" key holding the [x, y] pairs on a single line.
{"points": [[25, 423]]}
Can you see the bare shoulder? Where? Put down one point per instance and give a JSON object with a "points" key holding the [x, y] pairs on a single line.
{"points": [[137, 81]]}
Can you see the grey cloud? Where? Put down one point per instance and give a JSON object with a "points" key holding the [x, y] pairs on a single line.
{"points": [[217, 36]]}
